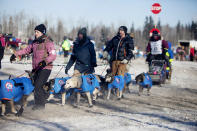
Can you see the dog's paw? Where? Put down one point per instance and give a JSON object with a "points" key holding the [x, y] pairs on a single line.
{"points": [[20, 112], [2, 114], [94, 102], [75, 105], [118, 98], [129, 91], [122, 96], [90, 106]]}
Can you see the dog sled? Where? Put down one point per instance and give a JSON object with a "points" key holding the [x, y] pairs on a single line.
{"points": [[157, 71]]}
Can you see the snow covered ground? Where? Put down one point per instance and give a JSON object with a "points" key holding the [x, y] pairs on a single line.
{"points": [[170, 107]]}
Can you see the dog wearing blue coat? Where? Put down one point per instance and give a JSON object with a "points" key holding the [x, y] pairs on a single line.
{"points": [[56, 86], [144, 81], [118, 83], [13, 90], [88, 84]]}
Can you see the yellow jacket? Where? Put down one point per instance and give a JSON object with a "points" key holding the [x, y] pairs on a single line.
{"points": [[66, 45]]}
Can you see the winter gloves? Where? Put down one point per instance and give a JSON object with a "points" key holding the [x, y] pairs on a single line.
{"points": [[94, 65], [124, 61], [42, 64], [12, 58], [105, 54], [66, 71]]}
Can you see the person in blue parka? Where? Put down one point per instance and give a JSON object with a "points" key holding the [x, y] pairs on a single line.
{"points": [[83, 55]]}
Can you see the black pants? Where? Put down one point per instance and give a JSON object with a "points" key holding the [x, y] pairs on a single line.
{"points": [[1, 55], [65, 53], [40, 78], [191, 58]]}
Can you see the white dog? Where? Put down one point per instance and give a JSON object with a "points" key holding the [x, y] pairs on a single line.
{"points": [[78, 83]]}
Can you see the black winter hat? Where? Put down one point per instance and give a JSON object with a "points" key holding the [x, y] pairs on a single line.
{"points": [[65, 37], [83, 31], [155, 33], [41, 28], [124, 28]]}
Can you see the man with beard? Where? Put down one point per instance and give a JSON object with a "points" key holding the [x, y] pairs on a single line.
{"points": [[121, 46], [44, 54], [83, 55]]}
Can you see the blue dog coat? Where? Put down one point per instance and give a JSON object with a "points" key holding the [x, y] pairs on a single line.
{"points": [[127, 78], [15, 88], [147, 81], [59, 84], [89, 83], [118, 82]]}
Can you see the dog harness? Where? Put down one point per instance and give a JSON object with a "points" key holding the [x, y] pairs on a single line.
{"points": [[118, 82], [15, 88], [147, 81]]}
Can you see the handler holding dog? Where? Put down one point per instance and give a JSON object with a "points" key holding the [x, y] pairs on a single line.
{"points": [[44, 54], [83, 55], [121, 46]]}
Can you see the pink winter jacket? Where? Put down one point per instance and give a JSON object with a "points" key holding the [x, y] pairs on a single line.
{"points": [[2, 41], [41, 51]]}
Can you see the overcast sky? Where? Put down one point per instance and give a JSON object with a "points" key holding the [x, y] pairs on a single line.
{"points": [[119, 12]]}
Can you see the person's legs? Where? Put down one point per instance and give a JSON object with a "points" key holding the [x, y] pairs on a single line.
{"points": [[115, 68], [121, 71], [39, 94], [65, 53], [114, 72], [1, 55]]}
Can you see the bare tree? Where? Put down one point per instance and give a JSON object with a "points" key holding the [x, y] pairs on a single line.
{"points": [[23, 27], [5, 24], [132, 29], [1, 28], [52, 33], [11, 25], [60, 32], [30, 28]]}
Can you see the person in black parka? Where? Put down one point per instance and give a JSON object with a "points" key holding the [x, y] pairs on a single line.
{"points": [[83, 55], [121, 46]]}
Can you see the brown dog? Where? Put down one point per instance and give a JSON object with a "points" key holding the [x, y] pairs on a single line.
{"points": [[13, 110], [49, 87]]}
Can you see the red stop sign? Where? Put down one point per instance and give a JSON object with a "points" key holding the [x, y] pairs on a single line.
{"points": [[156, 8]]}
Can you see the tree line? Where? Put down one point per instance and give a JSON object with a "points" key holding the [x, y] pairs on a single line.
{"points": [[21, 26]]}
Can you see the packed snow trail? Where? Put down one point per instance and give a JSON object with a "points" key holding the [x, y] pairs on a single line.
{"points": [[170, 107]]}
